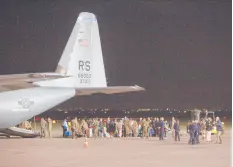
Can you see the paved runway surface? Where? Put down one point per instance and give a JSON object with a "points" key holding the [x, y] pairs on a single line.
{"points": [[134, 152]]}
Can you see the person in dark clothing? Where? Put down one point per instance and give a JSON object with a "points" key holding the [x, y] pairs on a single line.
{"points": [[154, 126], [188, 131], [111, 127], [197, 132], [161, 128], [192, 130], [108, 124], [100, 127], [157, 127], [123, 130], [177, 130]]}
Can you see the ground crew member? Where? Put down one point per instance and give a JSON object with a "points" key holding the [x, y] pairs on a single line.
{"points": [[50, 123], [219, 130], [43, 125], [176, 128]]}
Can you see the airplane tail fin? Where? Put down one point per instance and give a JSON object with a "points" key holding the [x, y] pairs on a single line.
{"points": [[82, 57], [81, 65]]}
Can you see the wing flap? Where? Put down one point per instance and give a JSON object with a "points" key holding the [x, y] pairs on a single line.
{"points": [[108, 90], [28, 78], [22, 81]]}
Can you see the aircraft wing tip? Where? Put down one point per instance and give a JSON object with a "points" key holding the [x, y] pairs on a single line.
{"points": [[139, 88]]}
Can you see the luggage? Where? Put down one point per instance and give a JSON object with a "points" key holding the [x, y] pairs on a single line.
{"points": [[68, 133]]}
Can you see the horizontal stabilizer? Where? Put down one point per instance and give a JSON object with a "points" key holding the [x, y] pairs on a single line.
{"points": [[108, 90]]}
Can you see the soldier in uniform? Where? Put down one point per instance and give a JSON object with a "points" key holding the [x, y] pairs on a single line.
{"points": [[85, 128], [43, 125], [74, 123], [50, 123], [142, 127], [95, 128], [135, 129], [82, 132], [131, 122], [127, 128], [145, 126], [119, 128]]}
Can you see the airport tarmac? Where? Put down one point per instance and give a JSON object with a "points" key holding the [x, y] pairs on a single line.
{"points": [[135, 152]]}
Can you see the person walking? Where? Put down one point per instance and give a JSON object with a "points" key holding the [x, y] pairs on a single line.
{"points": [[219, 130], [177, 130]]}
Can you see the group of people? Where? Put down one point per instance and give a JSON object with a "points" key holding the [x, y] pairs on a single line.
{"points": [[126, 127], [204, 128], [46, 127]]}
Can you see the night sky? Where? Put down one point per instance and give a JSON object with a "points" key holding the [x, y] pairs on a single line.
{"points": [[180, 51]]}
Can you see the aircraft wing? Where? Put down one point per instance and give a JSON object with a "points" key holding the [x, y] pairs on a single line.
{"points": [[20, 81], [108, 90]]}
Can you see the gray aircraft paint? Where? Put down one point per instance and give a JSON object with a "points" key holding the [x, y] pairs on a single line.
{"points": [[41, 99]]}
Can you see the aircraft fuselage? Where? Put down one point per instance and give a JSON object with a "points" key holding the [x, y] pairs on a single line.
{"points": [[20, 105]]}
